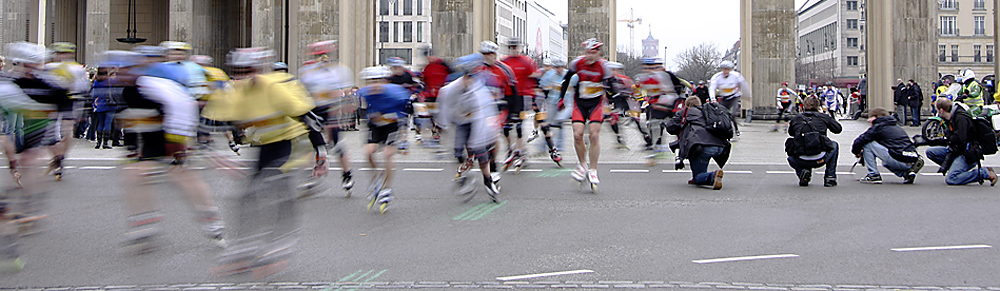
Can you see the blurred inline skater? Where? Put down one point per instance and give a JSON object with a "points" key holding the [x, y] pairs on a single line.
{"points": [[731, 87], [386, 108], [71, 76], [586, 83], [326, 80], [434, 76], [560, 110]]}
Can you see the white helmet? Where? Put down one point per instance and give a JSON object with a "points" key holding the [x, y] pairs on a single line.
{"points": [[726, 65], [616, 66], [379, 72], [201, 60], [559, 62], [969, 75], [592, 44], [488, 47], [547, 62], [26, 52], [250, 57]]}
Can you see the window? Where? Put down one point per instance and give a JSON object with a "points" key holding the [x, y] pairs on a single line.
{"points": [[383, 7], [989, 53], [852, 61], [852, 42], [407, 7], [948, 4], [383, 31], [408, 31], [395, 31], [980, 22], [852, 5], [395, 4], [954, 53], [941, 52], [980, 5], [852, 24], [420, 7], [977, 53], [405, 54], [420, 31], [948, 25]]}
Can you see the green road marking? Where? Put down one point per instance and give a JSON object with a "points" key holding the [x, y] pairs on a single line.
{"points": [[369, 278], [547, 173], [488, 210], [460, 216], [342, 280]]}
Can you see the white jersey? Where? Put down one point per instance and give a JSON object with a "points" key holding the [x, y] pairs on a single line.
{"points": [[733, 86], [180, 111], [324, 79], [785, 95], [473, 105], [72, 76]]}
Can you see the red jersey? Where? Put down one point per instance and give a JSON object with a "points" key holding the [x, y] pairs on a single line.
{"points": [[624, 84], [523, 67], [434, 76], [499, 79], [591, 76]]}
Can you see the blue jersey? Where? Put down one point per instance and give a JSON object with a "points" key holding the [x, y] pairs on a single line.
{"points": [[386, 102]]}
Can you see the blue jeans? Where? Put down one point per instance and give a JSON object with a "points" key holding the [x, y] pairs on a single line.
{"points": [[830, 161], [874, 150], [104, 120], [960, 172], [699, 157], [914, 114]]}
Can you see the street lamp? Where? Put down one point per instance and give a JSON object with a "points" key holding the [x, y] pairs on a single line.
{"points": [[664, 52], [381, 44]]}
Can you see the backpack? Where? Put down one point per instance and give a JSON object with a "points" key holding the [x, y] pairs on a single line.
{"points": [[718, 120], [806, 143], [984, 136]]}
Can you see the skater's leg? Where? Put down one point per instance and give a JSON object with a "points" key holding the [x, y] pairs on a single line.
{"points": [[578, 143], [595, 144]]}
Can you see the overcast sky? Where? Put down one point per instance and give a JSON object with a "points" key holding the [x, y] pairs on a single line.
{"points": [[678, 24]]}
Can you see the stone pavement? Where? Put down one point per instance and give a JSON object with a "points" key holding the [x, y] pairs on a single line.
{"points": [[757, 145]]}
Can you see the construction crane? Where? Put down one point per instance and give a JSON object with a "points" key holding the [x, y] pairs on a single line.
{"points": [[631, 22]]}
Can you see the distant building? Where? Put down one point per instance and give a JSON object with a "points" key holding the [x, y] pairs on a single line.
{"points": [[965, 36], [511, 20], [830, 42], [650, 46], [403, 28], [546, 36]]}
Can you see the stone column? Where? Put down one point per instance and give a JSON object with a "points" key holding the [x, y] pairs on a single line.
{"points": [[312, 21], [915, 41], [767, 50], [356, 35], [880, 54], [181, 20], [98, 31], [460, 25], [591, 19], [262, 23], [14, 21], [996, 37]]}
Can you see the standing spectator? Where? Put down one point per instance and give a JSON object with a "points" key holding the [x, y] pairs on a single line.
{"points": [[899, 100], [698, 145], [915, 99], [104, 106], [807, 149], [702, 91], [958, 160], [863, 90], [888, 142]]}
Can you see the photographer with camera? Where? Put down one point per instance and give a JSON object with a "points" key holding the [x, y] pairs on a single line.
{"points": [[959, 159], [809, 147], [698, 145]]}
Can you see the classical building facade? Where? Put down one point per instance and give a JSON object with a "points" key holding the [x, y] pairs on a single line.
{"points": [[830, 42], [965, 36], [404, 29]]}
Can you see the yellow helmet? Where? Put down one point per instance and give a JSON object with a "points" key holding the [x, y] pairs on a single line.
{"points": [[176, 45], [63, 47]]}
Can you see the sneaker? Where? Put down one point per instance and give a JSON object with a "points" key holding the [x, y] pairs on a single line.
{"points": [[579, 173], [592, 176], [385, 196], [871, 179], [718, 180], [830, 182], [347, 181], [492, 189], [234, 147], [495, 177], [909, 177], [804, 177]]}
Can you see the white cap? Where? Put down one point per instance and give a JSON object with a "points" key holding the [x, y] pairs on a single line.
{"points": [[488, 47], [726, 65], [26, 52], [250, 57], [378, 72]]}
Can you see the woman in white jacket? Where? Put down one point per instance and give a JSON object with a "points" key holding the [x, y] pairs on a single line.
{"points": [[467, 104]]}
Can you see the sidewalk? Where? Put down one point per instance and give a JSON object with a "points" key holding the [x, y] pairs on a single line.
{"points": [[757, 145]]}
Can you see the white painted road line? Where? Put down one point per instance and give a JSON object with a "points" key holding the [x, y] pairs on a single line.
{"points": [[530, 170], [627, 171], [749, 258], [97, 167], [738, 172], [931, 174], [422, 170], [942, 248], [780, 172], [676, 171], [529, 276]]}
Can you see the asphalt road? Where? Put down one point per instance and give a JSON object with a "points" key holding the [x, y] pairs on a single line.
{"points": [[640, 227]]}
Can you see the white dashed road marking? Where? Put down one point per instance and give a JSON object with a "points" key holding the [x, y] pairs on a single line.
{"points": [[627, 171], [422, 170], [529, 276], [748, 258], [942, 248]]}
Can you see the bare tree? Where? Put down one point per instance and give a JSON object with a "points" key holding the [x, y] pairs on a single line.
{"points": [[699, 62]]}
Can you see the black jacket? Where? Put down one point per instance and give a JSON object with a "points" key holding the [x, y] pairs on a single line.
{"points": [[899, 94], [885, 131], [689, 127], [821, 122], [960, 128], [915, 96]]}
